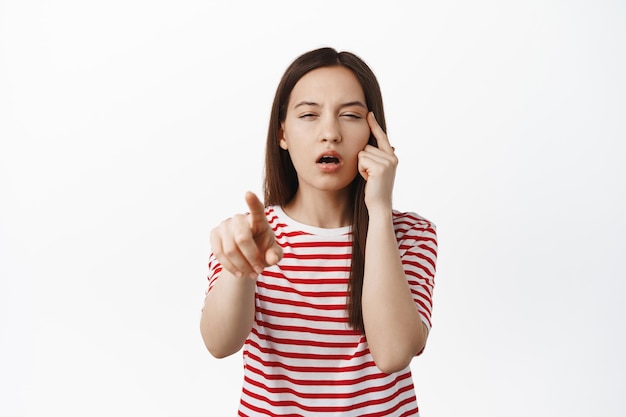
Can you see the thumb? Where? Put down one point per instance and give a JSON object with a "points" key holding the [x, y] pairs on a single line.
{"points": [[273, 254]]}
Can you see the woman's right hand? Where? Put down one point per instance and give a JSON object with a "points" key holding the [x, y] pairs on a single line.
{"points": [[245, 244]]}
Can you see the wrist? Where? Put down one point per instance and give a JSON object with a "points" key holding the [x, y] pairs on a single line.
{"points": [[380, 211], [380, 217]]}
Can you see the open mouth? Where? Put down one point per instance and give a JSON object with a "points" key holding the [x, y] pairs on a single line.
{"points": [[328, 159]]}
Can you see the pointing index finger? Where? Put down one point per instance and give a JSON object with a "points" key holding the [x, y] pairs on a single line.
{"points": [[257, 209], [379, 133]]}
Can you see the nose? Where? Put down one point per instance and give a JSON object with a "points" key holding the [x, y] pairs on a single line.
{"points": [[329, 130]]}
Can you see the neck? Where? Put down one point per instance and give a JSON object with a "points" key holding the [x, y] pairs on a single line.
{"points": [[322, 209]]}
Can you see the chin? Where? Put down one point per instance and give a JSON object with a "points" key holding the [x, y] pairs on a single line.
{"points": [[336, 186]]}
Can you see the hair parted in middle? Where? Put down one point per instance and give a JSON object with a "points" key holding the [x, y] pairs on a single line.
{"points": [[281, 180]]}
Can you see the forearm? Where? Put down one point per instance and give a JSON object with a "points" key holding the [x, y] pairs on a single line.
{"points": [[394, 330], [228, 314]]}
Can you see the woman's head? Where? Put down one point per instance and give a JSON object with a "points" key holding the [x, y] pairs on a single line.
{"points": [[281, 180]]}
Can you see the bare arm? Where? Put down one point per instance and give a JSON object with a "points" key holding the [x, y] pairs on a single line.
{"points": [[244, 245], [394, 330], [228, 314]]}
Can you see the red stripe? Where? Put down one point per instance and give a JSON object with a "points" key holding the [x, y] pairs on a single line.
{"points": [[424, 307], [422, 284], [402, 403], [308, 317], [414, 278], [302, 329], [428, 248], [317, 294], [316, 382], [423, 290], [315, 268], [311, 281], [263, 411], [318, 256], [306, 355], [282, 301], [303, 342], [316, 244], [432, 239], [283, 235], [314, 369], [424, 257], [418, 265]]}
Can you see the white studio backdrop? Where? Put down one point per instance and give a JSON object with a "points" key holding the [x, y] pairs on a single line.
{"points": [[128, 129]]}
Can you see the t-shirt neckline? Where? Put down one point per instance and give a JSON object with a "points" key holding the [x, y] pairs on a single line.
{"points": [[319, 231]]}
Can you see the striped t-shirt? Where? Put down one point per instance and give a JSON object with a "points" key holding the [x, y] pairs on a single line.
{"points": [[301, 358]]}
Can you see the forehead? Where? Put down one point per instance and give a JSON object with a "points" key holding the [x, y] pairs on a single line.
{"points": [[328, 84]]}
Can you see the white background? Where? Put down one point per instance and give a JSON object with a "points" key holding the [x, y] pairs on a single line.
{"points": [[128, 129]]}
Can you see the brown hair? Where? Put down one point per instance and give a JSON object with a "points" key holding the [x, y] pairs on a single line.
{"points": [[281, 180]]}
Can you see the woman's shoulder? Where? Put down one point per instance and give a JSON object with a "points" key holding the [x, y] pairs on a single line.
{"points": [[271, 213], [276, 218], [409, 224]]}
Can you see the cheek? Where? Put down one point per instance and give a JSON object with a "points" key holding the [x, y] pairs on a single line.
{"points": [[364, 137], [359, 139]]}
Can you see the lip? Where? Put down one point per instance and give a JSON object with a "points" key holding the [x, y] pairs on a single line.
{"points": [[329, 167]]}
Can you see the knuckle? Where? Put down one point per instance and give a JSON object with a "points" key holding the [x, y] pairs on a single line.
{"points": [[224, 223], [241, 236], [237, 221], [229, 250]]}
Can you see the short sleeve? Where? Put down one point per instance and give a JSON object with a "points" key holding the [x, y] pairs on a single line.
{"points": [[215, 267], [418, 251]]}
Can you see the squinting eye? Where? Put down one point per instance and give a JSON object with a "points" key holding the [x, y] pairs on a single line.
{"points": [[352, 116], [307, 116]]}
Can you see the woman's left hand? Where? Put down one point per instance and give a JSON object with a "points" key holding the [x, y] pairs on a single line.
{"points": [[378, 167]]}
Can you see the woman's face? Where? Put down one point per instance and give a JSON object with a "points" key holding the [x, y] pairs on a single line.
{"points": [[325, 128]]}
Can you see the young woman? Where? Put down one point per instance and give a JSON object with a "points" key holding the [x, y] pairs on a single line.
{"points": [[326, 287]]}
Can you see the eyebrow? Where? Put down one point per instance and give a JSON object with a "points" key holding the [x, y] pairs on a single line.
{"points": [[348, 104]]}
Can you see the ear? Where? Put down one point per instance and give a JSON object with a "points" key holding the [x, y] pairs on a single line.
{"points": [[281, 136]]}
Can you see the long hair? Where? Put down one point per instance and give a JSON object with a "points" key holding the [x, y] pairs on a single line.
{"points": [[281, 180]]}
